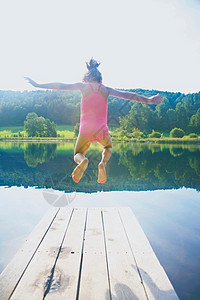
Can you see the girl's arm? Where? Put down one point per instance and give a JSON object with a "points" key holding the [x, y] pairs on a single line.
{"points": [[56, 85], [157, 99]]}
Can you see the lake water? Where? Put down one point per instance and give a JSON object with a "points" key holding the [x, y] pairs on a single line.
{"points": [[160, 183]]}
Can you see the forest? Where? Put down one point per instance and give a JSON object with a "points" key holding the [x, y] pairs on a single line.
{"points": [[63, 107]]}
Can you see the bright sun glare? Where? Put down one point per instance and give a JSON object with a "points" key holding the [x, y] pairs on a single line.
{"points": [[147, 44]]}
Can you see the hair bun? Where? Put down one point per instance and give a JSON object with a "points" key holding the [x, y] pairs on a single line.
{"points": [[92, 64]]}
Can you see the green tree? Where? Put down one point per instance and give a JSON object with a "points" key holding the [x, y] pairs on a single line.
{"points": [[155, 134], [171, 113], [162, 121], [50, 128], [193, 135], [177, 133], [195, 122], [39, 126], [136, 133], [76, 129], [140, 116], [30, 125], [181, 115]]}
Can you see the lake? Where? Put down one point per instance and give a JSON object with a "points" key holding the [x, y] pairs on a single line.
{"points": [[160, 183]]}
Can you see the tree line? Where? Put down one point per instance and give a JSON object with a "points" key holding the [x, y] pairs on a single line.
{"points": [[63, 107]]}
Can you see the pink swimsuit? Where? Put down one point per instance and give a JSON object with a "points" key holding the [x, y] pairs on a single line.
{"points": [[93, 121]]}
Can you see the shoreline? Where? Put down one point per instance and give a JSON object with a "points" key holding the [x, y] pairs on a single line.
{"points": [[126, 140]]}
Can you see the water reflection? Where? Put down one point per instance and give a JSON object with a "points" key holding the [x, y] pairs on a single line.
{"points": [[37, 153], [133, 167]]}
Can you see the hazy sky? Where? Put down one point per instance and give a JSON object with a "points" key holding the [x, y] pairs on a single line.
{"points": [[152, 44]]}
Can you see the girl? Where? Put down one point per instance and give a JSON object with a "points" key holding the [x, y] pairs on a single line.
{"points": [[93, 120]]}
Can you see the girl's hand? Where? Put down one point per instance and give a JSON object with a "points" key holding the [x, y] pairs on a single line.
{"points": [[31, 81], [157, 99]]}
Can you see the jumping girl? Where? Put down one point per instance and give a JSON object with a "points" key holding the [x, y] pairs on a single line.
{"points": [[93, 119]]}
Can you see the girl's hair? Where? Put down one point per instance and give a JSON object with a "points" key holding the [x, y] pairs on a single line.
{"points": [[92, 74]]}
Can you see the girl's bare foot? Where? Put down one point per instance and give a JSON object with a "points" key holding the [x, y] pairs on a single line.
{"points": [[102, 173], [79, 170]]}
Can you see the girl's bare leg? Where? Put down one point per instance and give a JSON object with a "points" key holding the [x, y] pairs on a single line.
{"points": [[80, 149], [106, 143]]}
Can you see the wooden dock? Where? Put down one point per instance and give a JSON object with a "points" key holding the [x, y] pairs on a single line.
{"points": [[87, 254]]}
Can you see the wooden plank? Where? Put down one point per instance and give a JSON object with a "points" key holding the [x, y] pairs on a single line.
{"points": [[15, 269], [155, 280], [34, 282], [125, 282], [68, 264], [94, 277]]}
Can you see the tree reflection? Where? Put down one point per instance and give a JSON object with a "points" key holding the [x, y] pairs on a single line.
{"points": [[173, 167], [195, 164], [133, 167], [38, 153], [176, 151]]}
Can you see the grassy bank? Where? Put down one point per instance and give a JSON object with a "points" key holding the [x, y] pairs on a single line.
{"points": [[66, 132], [17, 132], [168, 140]]}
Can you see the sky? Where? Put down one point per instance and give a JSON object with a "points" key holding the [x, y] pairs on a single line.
{"points": [[149, 44]]}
